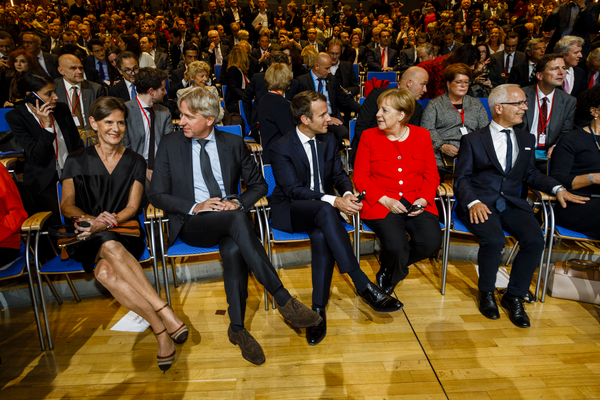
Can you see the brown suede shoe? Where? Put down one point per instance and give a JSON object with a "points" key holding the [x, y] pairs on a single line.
{"points": [[299, 315], [251, 350]]}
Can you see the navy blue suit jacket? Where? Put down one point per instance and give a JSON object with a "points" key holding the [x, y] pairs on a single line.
{"points": [[479, 176], [292, 174], [336, 94]]}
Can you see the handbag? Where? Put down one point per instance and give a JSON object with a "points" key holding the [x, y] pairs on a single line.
{"points": [[575, 279], [66, 234]]}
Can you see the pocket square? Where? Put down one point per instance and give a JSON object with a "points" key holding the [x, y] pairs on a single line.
{"points": [[527, 148]]}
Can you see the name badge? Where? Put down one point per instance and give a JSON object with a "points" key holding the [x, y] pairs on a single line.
{"points": [[542, 139], [463, 130], [76, 120]]}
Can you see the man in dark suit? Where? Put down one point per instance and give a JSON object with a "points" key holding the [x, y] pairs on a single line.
{"points": [[161, 60], [503, 61], [148, 121], [32, 43], [209, 18], [415, 79], [266, 18], [524, 73], [556, 107], [383, 57], [306, 165], [128, 66], [493, 163], [190, 52], [234, 13], [262, 53], [350, 21], [293, 19], [592, 64], [72, 89], [217, 160], [575, 81], [216, 51], [464, 13], [319, 79], [450, 45], [492, 11], [176, 47], [97, 59], [342, 70], [311, 34]]}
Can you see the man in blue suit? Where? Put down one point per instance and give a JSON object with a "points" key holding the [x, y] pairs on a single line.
{"points": [[306, 164], [492, 165]]}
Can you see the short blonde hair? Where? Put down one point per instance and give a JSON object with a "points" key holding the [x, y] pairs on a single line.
{"points": [[401, 100], [201, 101], [278, 77], [309, 56], [196, 67]]}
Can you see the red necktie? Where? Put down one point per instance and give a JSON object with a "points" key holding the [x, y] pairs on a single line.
{"points": [[591, 81], [382, 57], [542, 121]]}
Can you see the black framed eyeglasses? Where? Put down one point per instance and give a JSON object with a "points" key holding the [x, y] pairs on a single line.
{"points": [[516, 103]]}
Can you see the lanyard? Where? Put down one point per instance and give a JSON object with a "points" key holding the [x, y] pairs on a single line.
{"points": [[77, 102], [144, 113], [462, 114], [544, 123]]}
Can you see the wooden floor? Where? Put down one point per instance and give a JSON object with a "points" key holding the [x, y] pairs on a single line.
{"points": [[439, 347]]}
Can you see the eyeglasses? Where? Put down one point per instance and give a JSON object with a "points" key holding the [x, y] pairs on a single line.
{"points": [[131, 71], [517, 103], [465, 83]]}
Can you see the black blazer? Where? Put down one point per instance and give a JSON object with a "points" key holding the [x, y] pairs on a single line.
{"points": [[51, 61], [172, 185], [256, 90], [320, 47], [175, 53], [294, 22], [346, 77], [176, 82], [479, 176], [350, 54], [234, 91], [262, 66], [374, 59], [292, 174], [497, 66], [520, 75], [580, 84], [120, 90], [275, 119], [38, 144], [336, 94]]}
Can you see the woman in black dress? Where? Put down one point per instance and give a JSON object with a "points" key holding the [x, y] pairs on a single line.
{"points": [[576, 165], [237, 80], [103, 186]]}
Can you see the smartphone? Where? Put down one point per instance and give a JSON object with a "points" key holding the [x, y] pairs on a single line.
{"points": [[82, 224], [32, 97], [361, 196], [414, 207]]}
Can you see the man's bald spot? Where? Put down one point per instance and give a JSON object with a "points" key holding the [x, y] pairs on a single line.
{"points": [[66, 59], [323, 58], [414, 74]]}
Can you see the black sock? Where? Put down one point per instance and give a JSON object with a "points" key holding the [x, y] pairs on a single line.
{"points": [[359, 278], [282, 296], [236, 328]]}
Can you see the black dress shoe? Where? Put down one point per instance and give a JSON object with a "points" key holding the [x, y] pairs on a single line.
{"points": [[516, 311], [378, 300], [383, 278], [488, 306], [315, 334]]}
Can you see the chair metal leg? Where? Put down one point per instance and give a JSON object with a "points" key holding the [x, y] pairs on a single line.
{"points": [[41, 289], [154, 259], [175, 283], [446, 244], [548, 257], [512, 253], [38, 323], [262, 239], [546, 240], [357, 238], [164, 261], [270, 255], [70, 282], [51, 287]]}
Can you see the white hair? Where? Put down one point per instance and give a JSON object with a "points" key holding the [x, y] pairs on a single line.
{"points": [[499, 95], [564, 45]]}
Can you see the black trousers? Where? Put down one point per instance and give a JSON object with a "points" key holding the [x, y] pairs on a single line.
{"points": [[520, 224], [582, 218], [397, 252], [240, 248], [329, 242]]}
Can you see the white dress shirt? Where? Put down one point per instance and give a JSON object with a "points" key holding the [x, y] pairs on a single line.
{"points": [[145, 119], [536, 111], [570, 77], [532, 65], [69, 89], [42, 62], [63, 151], [510, 61]]}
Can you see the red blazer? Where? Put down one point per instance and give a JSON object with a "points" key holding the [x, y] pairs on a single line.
{"points": [[395, 169], [12, 214]]}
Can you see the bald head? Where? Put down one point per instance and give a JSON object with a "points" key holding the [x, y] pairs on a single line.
{"points": [[322, 65], [415, 79], [70, 68]]}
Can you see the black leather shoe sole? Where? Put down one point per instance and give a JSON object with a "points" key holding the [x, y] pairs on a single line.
{"points": [[397, 306]]}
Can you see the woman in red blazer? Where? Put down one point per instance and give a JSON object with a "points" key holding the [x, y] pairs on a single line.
{"points": [[395, 166]]}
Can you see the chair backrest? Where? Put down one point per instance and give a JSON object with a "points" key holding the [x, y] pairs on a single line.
{"points": [[486, 105], [224, 87], [392, 85], [352, 129], [233, 129], [217, 71], [59, 192], [382, 76], [423, 102], [270, 178], [243, 114], [361, 100], [356, 72], [3, 124]]}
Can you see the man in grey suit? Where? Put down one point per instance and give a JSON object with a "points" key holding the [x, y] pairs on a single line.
{"points": [[161, 60], [75, 91], [148, 121], [503, 61], [557, 109]]}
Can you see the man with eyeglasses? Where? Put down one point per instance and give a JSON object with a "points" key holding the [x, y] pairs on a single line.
{"points": [[383, 58], [32, 43], [342, 70], [216, 51], [311, 34], [504, 61], [128, 66], [552, 111], [97, 60], [492, 165]]}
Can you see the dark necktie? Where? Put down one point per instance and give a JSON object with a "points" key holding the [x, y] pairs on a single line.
{"points": [[320, 88], [101, 71], [207, 174], [509, 150], [133, 92], [151, 147], [542, 122], [506, 66], [315, 166], [532, 73]]}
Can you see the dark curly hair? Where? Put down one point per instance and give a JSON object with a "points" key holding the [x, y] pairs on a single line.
{"points": [[589, 98]]}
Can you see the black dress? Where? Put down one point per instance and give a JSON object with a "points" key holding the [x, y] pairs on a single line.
{"points": [[577, 154], [96, 191]]}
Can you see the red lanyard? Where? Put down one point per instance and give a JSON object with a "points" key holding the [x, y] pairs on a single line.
{"points": [[544, 123], [245, 79], [144, 113], [462, 114], [77, 102]]}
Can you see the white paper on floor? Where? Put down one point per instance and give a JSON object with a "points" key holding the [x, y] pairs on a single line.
{"points": [[502, 277], [131, 322]]}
